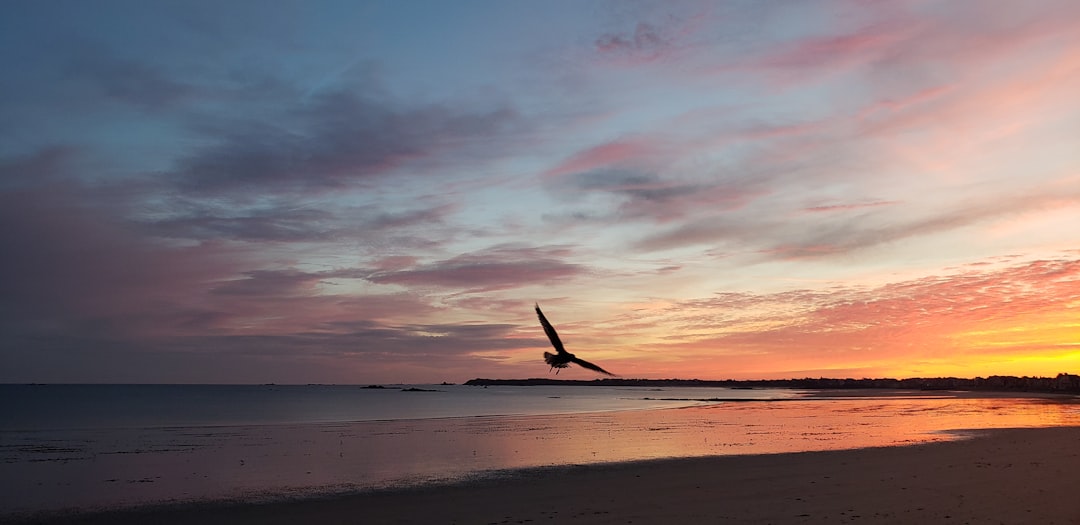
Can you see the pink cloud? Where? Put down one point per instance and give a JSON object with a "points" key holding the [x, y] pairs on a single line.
{"points": [[836, 50], [72, 267], [395, 262], [891, 106], [607, 154], [906, 46]]}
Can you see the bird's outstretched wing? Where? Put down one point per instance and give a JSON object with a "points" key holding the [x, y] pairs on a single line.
{"points": [[551, 333], [590, 366]]}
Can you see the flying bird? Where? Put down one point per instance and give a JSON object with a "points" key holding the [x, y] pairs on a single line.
{"points": [[562, 358]]}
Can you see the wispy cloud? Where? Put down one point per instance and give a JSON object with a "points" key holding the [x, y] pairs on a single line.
{"points": [[973, 319], [878, 223], [289, 222], [139, 84], [847, 207], [72, 267], [615, 153], [496, 268], [663, 35], [330, 141]]}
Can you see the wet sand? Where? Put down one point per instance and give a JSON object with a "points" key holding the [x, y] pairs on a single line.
{"points": [[1000, 476]]}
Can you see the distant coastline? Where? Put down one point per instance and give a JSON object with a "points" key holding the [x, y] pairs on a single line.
{"points": [[1062, 384]]}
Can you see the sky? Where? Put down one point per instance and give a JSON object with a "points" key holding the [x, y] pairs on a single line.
{"points": [[379, 192]]}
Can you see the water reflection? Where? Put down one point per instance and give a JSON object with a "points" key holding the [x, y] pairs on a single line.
{"points": [[102, 467]]}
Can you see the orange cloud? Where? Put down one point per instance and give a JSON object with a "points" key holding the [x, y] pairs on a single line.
{"points": [[1019, 320]]}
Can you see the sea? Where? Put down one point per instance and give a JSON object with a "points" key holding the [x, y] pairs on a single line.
{"points": [[70, 448]]}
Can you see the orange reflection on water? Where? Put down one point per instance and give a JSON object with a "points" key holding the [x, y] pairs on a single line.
{"points": [[761, 428], [231, 461]]}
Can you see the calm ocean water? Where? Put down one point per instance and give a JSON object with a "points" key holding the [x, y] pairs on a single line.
{"points": [[82, 446], [59, 407]]}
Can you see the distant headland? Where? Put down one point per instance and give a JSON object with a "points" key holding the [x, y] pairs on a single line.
{"points": [[1062, 384]]}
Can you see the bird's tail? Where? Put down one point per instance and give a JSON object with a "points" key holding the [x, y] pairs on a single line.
{"points": [[549, 358]]}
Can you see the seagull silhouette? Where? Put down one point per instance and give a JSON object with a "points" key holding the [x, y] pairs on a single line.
{"points": [[562, 359]]}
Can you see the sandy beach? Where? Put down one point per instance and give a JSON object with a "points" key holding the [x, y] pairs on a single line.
{"points": [[1000, 476]]}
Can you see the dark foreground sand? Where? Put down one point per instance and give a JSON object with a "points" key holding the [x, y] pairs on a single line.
{"points": [[1005, 476]]}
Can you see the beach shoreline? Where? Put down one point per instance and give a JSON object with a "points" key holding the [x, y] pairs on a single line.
{"points": [[1029, 475]]}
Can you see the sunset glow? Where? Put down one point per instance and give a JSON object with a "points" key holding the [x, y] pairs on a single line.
{"points": [[375, 192]]}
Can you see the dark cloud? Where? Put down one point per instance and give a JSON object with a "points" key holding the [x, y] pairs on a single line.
{"points": [[380, 219], [493, 269], [636, 186], [68, 267], [257, 225], [263, 283], [42, 167], [489, 303], [645, 39], [363, 353], [367, 340], [330, 141], [87, 296], [649, 177], [287, 220], [714, 230], [643, 195], [128, 81], [661, 32]]}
